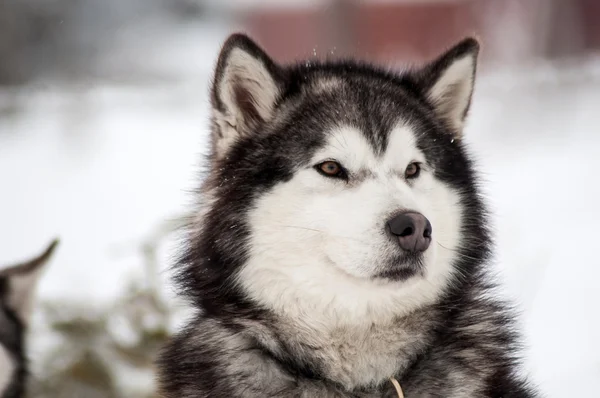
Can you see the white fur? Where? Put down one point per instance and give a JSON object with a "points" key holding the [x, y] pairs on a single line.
{"points": [[451, 93], [6, 369], [249, 72], [316, 242]]}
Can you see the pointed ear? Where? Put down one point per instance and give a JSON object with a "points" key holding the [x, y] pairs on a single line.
{"points": [[246, 88], [20, 282], [448, 83]]}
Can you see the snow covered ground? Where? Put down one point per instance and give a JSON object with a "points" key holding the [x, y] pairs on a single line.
{"points": [[101, 164]]}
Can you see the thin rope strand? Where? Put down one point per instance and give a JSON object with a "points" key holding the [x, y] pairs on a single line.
{"points": [[397, 387]]}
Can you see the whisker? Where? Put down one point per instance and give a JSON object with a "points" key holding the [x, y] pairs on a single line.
{"points": [[462, 255], [323, 232], [305, 228]]}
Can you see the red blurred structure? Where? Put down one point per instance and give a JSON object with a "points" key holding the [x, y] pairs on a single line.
{"points": [[417, 29]]}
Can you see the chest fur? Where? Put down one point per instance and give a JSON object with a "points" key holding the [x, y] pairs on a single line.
{"points": [[360, 356]]}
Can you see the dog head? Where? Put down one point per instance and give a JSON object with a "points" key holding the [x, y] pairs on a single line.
{"points": [[335, 188]]}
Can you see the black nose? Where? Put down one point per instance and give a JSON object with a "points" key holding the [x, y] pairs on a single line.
{"points": [[413, 231]]}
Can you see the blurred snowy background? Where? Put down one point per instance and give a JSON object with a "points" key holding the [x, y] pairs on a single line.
{"points": [[103, 120]]}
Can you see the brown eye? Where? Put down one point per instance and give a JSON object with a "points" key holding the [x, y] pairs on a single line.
{"points": [[412, 170], [331, 169]]}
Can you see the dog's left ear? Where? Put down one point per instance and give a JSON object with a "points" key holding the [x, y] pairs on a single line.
{"points": [[18, 283], [246, 88], [448, 83]]}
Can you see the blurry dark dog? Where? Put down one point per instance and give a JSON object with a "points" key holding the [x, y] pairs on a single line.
{"points": [[17, 288]]}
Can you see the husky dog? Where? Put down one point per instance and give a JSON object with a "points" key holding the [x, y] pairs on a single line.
{"points": [[17, 287], [341, 244]]}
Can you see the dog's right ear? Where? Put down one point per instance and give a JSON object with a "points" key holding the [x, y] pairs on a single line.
{"points": [[448, 83], [246, 88]]}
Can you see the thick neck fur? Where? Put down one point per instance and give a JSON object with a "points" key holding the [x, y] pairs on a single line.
{"points": [[464, 346], [363, 355]]}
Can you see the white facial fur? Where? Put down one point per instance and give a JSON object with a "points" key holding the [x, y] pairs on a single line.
{"points": [[316, 242]]}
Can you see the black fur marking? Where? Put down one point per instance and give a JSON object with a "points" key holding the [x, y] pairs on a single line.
{"points": [[403, 267]]}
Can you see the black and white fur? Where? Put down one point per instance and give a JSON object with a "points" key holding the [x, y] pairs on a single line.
{"points": [[290, 269], [17, 288]]}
